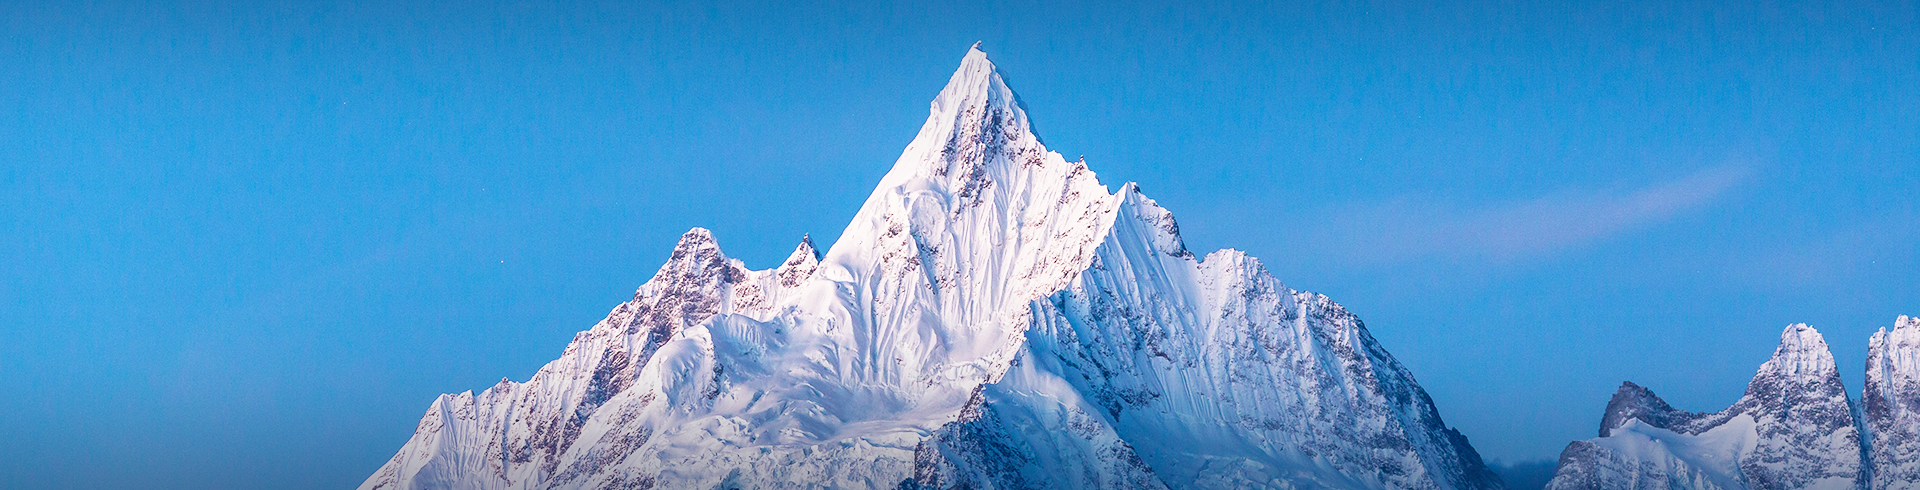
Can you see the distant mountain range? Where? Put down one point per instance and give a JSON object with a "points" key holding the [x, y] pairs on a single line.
{"points": [[996, 317], [1795, 428]]}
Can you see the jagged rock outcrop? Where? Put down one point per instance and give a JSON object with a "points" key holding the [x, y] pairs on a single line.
{"points": [[1891, 405], [1794, 429], [512, 430], [1212, 374], [993, 317]]}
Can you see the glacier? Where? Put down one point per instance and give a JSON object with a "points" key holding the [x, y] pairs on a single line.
{"points": [[993, 317]]}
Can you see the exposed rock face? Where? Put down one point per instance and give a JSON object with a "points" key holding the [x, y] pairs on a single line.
{"points": [[513, 429], [1794, 429], [1891, 405], [1211, 374], [994, 317]]}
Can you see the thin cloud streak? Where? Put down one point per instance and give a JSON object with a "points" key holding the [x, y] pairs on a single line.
{"points": [[1407, 229]]}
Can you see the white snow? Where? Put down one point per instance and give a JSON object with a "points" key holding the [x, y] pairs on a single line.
{"points": [[1795, 429], [993, 317], [1708, 460], [1891, 405]]}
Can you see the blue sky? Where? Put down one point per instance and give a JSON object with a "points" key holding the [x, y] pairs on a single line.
{"points": [[246, 244]]}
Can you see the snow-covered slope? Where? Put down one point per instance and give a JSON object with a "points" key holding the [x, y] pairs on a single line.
{"points": [[1219, 376], [1891, 405], [1794, 429], [993, 317]]}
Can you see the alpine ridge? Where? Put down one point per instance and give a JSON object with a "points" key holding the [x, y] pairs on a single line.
{"points": [[993, 317], [1891, 405], [1795, 428]]}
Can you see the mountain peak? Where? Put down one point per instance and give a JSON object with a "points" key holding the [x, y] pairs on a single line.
{"points": [[1794, 428], [976, 81], [696, 238], [1905, 331], [697, 251], [975, 118], [1802, 352], [976, 183], [807, 247], [993, 317], [1635, 402], [1891, 403], [800, 264]]}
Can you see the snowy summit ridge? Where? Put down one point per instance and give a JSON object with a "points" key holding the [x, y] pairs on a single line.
{"points": [[1795, 428], [1890, 405], [993, 317]]}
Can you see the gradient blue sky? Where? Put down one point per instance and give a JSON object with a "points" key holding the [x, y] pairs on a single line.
{"points": [[245, 244]]}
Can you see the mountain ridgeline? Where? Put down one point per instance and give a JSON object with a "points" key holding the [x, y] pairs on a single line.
{"points": [[1795, 428], [993, 317]]}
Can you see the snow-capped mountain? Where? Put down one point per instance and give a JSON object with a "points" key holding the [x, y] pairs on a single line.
{"points": [[1794, 429], [993, 317], [1891, 405]]}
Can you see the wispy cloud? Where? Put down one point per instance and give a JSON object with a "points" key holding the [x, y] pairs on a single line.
{"points": [[1412, 228]]}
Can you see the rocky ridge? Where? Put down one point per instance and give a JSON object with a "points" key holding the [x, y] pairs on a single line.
{"points": [[993, 317], [1796, 427], [1890, 405]]}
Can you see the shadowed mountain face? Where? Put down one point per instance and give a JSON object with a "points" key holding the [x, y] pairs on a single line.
{"points": [[993, 317], [1891, 405], [1795, 428]]}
